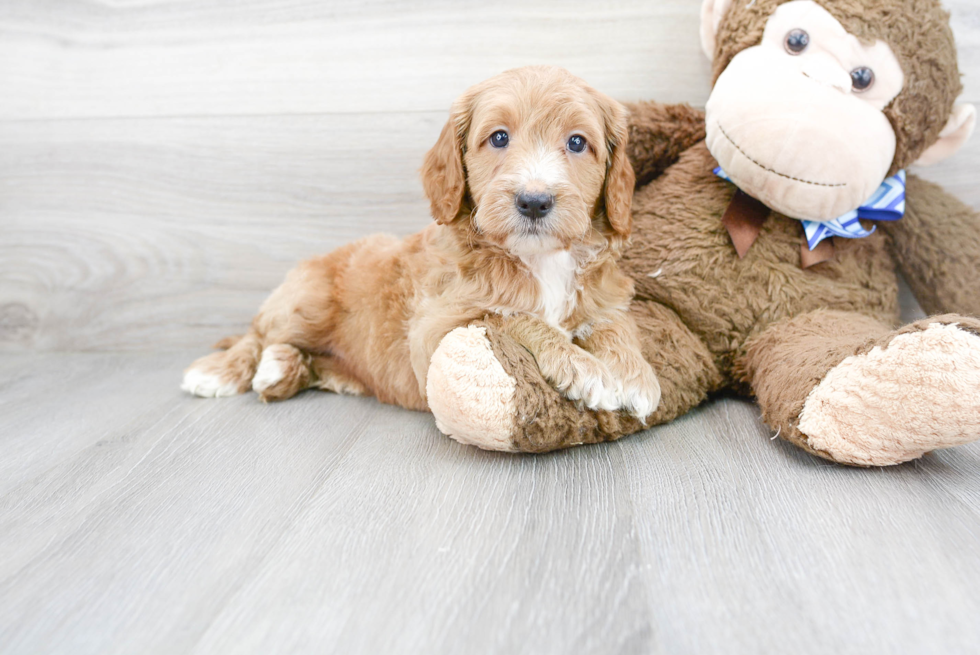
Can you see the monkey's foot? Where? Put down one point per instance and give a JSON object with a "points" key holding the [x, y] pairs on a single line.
{"points": [[916, 392]]}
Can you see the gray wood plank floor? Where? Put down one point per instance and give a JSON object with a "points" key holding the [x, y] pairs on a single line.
{"points": [[137, 520], [163, 163]]}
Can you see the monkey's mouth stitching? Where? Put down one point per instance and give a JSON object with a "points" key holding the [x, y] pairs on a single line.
{"points": [[769, 170]]}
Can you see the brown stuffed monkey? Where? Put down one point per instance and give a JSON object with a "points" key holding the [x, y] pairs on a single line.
{"points": [[816, 108]]}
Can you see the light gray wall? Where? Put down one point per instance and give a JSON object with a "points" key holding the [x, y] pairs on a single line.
{"points": [[163, 163]]}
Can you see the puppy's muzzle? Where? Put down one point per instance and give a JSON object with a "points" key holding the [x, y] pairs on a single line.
{"points": [[534, 205]]}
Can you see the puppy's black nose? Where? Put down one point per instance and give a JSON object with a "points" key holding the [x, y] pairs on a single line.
{"points": [[535, 205]]}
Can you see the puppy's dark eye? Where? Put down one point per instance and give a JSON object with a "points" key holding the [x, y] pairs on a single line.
{"points": [[796, 42], [576, 143], [499, 139], [862, 78]]}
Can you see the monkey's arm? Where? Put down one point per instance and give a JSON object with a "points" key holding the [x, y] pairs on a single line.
{"points": [[937, 246], [659, 133]]}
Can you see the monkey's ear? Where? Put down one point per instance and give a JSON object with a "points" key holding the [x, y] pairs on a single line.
{"points": [[712, 11], [443, 175], [957, 131]]}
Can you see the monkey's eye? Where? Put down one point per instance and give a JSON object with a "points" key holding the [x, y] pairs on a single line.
{"points": [[862, 78], [499, 139], [576, 143], [796, 42]]}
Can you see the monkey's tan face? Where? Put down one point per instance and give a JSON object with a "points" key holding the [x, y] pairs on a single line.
{"points": [[797, 120]]}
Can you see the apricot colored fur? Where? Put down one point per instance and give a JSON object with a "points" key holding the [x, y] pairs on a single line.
{"points": [[367, 317]]}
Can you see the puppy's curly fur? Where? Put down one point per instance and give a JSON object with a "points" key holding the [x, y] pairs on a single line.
{"points": [[367, 317]]}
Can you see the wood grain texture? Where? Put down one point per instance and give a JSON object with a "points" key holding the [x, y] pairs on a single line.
{"points": [[338, 525], [64, 59], [135, 234], [170, 58]]}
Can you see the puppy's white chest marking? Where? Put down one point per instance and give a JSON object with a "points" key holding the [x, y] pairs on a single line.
{"points": [[555, 275]]}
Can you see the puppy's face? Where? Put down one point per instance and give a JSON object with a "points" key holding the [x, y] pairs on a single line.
{"points": [[536, 159]]}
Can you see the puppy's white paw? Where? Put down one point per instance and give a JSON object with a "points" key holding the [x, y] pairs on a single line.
{"points": [[589, 380], [270, 371], [207, 385], [641, 396]]}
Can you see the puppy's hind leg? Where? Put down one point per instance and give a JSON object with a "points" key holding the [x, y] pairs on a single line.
{"points": [[225, 373], [228, 342], [330, 376], [285, 370]]}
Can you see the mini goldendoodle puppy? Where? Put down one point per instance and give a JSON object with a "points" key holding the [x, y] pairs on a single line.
{"points": [[530, 189]]}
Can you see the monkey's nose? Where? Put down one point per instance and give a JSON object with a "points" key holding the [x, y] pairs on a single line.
{"points": [[535, 205]]}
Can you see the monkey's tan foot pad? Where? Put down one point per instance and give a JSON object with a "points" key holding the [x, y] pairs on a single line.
{"points": [[470, 394], [918, 392]]}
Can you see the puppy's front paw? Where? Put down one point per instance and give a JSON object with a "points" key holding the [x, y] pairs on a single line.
{"points": [[583, 377], [641, 393]]}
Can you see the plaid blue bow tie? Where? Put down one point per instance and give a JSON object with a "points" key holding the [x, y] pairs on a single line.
{"points": [[887, 204]]}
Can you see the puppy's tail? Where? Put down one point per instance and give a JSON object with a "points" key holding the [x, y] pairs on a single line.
{"points": [[228, 342], [225, 373]]}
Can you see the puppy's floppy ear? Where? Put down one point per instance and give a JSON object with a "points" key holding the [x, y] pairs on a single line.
{"points": [[620, 179], [443, 175]]}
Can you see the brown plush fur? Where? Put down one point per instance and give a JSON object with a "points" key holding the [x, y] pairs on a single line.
{"points": [[368, 316], [791, 357], [786, 362], [762, 324], [936, 246], [659, 134], [684, 365]]}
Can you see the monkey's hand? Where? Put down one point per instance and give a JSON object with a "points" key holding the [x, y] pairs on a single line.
{"points": [[937, 247]]}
